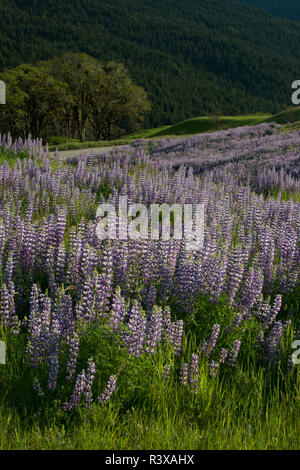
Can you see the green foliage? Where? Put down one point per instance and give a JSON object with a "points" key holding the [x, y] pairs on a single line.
{"points": [[251, 406], [77, 71], [35, 101], [190, 57], [66, 94], [10, 158], [117, 105]]}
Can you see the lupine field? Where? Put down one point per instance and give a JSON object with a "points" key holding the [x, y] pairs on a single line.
{"points": [[142, 344]]}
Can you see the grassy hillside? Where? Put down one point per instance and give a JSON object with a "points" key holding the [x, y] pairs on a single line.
{"points": [[191, 57], [197, 125], [290, 117], [187, 127], [208, 124]]}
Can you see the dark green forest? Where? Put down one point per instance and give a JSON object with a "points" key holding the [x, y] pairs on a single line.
{"points": [[70, 96], [281, 8], [191, 57]]}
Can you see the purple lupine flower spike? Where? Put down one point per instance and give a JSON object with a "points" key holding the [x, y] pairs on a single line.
{"points": [[73, 355], [234, 353], [184, 374], [109, 390], [194, 372]]}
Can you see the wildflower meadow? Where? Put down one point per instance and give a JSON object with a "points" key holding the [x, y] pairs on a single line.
{"points": [[142, 343]]}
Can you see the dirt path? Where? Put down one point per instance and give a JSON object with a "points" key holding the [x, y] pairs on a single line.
{"points": [[89, 151]]}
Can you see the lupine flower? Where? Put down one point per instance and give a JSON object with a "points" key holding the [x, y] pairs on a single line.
{"points": [[119, 309], [109, 390], [155, 329], [250, 246], [184, 374], [274, 311], [78, 391], [223, 355], [167, 370], [210, 344], [134, 338], [194, 371], [177, 335], [273, 342], [90, 375], [213, 369], [54, 339], [234, 353], [73, 355]]}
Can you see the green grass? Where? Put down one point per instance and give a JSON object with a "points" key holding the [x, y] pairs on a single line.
{"points": [[11, 158], [62, 143], [295, 126], [248, 407], [75, 144], [207, 124], [187, 128], [289, 115], [184, 128], [148, 133]]}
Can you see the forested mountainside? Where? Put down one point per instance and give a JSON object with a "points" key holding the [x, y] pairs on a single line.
{"points": [[191, 57]]}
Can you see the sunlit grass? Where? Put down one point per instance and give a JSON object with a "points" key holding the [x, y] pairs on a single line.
{"points": [[250, 406]]}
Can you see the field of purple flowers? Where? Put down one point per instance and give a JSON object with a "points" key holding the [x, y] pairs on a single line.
{"points": [[198, 344], [262, 157]]}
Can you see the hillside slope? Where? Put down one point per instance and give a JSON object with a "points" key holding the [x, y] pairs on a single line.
{"points": [[191, 57]]}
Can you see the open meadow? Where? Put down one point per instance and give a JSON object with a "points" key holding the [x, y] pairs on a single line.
{"points": [[142, 343]]}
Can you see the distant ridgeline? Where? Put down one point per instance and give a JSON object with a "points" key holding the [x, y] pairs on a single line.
{"points": [[280, 8], [192, 57]]}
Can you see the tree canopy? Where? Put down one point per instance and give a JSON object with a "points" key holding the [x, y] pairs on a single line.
{"points": [[70, 94]]}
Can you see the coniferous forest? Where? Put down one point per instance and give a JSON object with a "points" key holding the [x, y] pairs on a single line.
{"points": [[190, 57]]}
